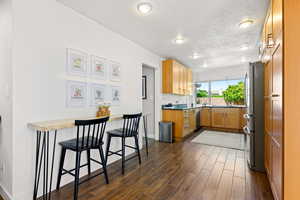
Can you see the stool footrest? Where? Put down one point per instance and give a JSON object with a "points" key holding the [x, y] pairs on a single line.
{"points": [[130, 147], [70, 171], [96, 161]]}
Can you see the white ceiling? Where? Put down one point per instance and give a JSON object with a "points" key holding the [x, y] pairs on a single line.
{"points": [[209, 26]]}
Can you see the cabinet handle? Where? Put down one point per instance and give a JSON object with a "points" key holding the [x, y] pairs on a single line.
{"points": [[275, 95]]}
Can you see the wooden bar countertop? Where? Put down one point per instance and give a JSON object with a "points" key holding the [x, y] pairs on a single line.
{"points": [[63, 123]]}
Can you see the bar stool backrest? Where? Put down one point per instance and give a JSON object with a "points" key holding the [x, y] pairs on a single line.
{"points": [[131, 124], [90, 133]]}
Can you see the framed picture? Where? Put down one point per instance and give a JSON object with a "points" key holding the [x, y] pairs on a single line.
{"points": [[98, 67], [76, 94], [77, 62], [144, 87], [115, 95], [115, 71], [98, 94]]}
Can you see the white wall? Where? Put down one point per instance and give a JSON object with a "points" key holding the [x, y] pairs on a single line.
{"points": [[43, 31], [5, 98], [221, 73]]}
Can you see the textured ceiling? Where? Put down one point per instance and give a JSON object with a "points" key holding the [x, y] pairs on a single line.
{"points": [[209, 26]]}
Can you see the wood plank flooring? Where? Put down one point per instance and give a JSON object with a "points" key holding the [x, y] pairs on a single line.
{"points": [[179, 171]]}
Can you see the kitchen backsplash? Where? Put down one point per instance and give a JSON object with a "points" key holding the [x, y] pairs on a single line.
{"points": [[176, 99]]}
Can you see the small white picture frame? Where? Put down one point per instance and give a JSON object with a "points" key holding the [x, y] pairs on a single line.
{"points": [[115, 95], [76, 94], [115, 71], [98, 94], [98, 68], [77, 62]]}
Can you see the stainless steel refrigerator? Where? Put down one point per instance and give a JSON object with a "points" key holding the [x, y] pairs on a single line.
{"points": [[254, 130]]}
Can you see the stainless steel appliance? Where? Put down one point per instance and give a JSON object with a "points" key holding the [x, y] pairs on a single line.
{"points": [[254, 130], [165, 132]]}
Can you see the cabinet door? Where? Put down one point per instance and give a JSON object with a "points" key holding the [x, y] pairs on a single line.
{"points": [[268, 156], [277, 20], [232, 118], [190, 82], [176, 78], [276, 173], [277, 122], [218, 117], [192, 114], [276, 100], [205, 117]]}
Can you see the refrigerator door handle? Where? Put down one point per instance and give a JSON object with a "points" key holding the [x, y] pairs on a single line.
{"points": [[247, 131]]}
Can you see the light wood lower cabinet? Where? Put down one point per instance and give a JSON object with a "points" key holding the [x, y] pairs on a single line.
{"points": [[205, 117], [184, 122], [228, 118]]}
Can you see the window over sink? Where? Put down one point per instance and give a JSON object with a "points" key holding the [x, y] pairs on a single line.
{"points": [[221, 92]]}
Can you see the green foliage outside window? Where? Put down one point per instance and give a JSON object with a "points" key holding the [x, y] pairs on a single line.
{"points": [[234, 94], [202, 93]]}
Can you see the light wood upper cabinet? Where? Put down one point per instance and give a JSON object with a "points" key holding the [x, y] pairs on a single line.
{"points": [[274, 98], [277, 12], [176, 78]]}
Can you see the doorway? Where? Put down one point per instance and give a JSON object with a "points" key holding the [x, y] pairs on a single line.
{"points": [[148, 90]]}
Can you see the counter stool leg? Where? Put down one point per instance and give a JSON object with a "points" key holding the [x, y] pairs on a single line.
{"points": [[88, 154], [103, 164], [77, 170], [138, 148], [123, 155], [146, 133], [107, 148]]}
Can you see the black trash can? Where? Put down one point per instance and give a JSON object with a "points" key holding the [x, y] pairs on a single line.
{"points": [[166, 131]]}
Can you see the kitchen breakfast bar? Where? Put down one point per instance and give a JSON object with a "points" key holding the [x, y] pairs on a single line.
{"points": [[45, 150]]}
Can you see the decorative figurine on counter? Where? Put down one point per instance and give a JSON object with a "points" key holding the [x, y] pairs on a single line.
{"points": [[103, 109]]}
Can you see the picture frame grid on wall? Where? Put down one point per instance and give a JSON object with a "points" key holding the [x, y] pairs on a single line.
{"points": [[115, 71], [97, 94], [77, 62], [76, 94], [98, 67]]}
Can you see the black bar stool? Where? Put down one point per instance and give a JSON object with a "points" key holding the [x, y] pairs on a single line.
{"points": [[86, 140], [130, 129]]}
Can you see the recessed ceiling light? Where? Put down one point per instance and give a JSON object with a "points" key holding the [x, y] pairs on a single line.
{"points": [[179, 40], [144, 8], [195, 56], [244, 47], [204, 65], [243, 59], [246, 23]]}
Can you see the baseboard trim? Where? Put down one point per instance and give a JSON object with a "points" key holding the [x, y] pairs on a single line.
{"points": [[5, 194]]}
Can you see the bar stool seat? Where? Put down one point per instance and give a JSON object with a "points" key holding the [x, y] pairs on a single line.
{"points": [[120, 133], [72, 144]]}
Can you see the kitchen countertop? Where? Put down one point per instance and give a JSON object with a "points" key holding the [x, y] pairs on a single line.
{"points": [[201, 106]]}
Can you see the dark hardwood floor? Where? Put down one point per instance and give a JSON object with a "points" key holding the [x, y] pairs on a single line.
{"points": [[179, 171]]}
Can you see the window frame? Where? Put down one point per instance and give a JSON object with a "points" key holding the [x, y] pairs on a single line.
{"points": [[209, 87]]}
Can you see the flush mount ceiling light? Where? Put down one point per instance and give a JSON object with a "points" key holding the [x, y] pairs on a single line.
{"points": [[246, 23], [179, 40], [244, 47], [195, 56], [144, 8]]}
